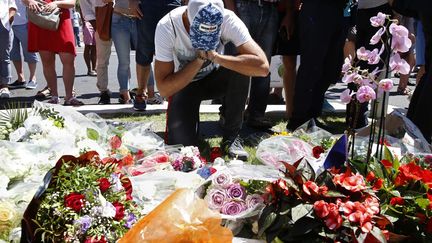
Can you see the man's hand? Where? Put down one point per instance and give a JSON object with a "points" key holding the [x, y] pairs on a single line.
{"points": [[12, 13], [135, 9]]}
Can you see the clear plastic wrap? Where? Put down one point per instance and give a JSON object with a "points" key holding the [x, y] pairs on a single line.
{"points": [[182, 217]]}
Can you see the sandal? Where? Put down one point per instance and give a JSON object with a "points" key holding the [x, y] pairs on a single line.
{"points": [[403, 91], [54, 100], [73, 102], [43, 94]]}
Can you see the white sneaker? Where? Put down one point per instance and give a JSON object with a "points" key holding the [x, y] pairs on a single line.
{"points": [[31, 84], [4, 93]]}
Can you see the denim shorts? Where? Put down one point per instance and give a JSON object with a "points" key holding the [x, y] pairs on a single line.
{"points": [[152, 11], [21, 40]]}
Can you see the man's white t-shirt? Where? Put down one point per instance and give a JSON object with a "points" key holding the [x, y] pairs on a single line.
{"points": [[172, 41]]}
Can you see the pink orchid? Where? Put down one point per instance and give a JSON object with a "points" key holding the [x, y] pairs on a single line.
{"points": [[398, 30], [347, 64], [374, 56], [378, 20], [377, 37], [386, 84], [348, 78], [400, 44], [362, 53], [365, 94], [346, 96], [398, 64]]}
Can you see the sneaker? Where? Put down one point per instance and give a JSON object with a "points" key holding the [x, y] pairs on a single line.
{"points": [[121, 100], [104, 98], [155, 100], [17, 84], [234, 149], [259, 123], [92, 73], [31, 84], [4, 93], [140, 103]]}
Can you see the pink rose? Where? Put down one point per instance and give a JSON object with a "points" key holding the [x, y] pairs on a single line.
{"points": [[378, 20], [365, 94], [386, 84]]}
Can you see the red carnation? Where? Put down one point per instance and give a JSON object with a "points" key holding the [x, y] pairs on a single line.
{"points": [[119, 211], [397, 201], [104, 184], [317, 151], [75, 201], [115, 142], [96, 240]]}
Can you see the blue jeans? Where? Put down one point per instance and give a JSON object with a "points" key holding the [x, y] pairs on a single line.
{"points": [[5, 47], [123, 34], [21, 39], [262, 22]]}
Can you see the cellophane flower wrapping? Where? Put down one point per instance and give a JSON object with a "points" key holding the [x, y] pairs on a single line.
{"points": [[182, 217]]}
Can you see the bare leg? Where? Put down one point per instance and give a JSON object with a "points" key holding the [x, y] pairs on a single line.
{"points": [[68, 60], [48, 64], [19, 70], [143, 74], [32, 70], [93, 57], [349, 49], [87, 57], [289, 77]]}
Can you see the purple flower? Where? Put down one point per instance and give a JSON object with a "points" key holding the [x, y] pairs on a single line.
{"points": [[204, 172], [398, 64], [233, 207], [363, 54], [365, 94], [177, 165], [385, 84], [130, 220], [377, 37], [223, 180], [236, 191], [253, 200], [345, 96], [378, 20], [216, 198], [84, 222]]}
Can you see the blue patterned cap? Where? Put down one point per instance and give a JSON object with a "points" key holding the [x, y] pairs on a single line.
{"points": [[205, 23]]}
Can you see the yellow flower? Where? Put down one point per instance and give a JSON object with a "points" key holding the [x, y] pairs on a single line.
{"points": [[7, 212]]}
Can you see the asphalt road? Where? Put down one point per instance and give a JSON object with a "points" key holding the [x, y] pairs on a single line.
{"points": [[87, 92]]}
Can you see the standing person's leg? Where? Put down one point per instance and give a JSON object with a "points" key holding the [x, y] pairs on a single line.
{"points": [[260, 86], [103, 53], [6, 38], [15, 57], [89, 48], [289, 78], [420, 50], [121, 36], [48, 66], [86, 56], [68, 61], [30, 58]]}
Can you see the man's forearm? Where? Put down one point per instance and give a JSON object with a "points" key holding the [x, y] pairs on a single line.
{"points": [[246, 64], [174, 82]]}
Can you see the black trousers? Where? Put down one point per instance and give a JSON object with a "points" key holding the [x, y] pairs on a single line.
{"points": [[420, 108], [183, 107], [321, 49]]}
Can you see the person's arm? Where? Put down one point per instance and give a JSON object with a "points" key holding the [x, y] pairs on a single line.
{"points": [[230, 4], [12, 10], [66, 4], [288, 21], [135, 8], [251, 60], [170, 82]]}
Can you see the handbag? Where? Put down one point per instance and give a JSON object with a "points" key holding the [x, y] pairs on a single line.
{"points": [[103, 21], [48, 21]]}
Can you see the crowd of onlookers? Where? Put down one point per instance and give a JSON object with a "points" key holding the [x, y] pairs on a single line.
{"points": [[322, 32]]}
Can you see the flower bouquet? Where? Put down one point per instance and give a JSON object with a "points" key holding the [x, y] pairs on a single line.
{"points": [[336, 206], [188, 159], [85, 200], [404, 189]]}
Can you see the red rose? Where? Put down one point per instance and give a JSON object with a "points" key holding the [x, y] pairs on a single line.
{"points": [[370, 176], [115, 142], [397, 201], [119, 211], [127, 185], [127, 160], [321, 209], [75, 201], [163, 158], [317, 151], [215, 153], [104, 184], [96, 240]]}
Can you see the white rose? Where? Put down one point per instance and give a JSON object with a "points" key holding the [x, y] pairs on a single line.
{"points": [[17, 135]]}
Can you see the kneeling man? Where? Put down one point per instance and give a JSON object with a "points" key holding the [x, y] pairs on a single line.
{"points": [[190, 67]]}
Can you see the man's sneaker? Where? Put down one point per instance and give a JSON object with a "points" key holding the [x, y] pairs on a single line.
{"points": [[234, 149], [4, 93], [104, 98], [31, 84], [155, 100], [259, 123], [17, 84], [139, 103]]}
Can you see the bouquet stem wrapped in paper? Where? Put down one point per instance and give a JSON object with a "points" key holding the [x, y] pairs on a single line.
{"points": [[182, 217]]}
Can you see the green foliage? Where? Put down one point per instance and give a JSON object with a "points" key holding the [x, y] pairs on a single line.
{"points": [[50, 114], [12, 118]]}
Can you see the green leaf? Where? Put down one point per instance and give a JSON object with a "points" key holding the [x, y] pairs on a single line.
{"points": [[395, 193], [304, 225], [376, 167], [362, 237], [378, 234], [92, 134], [325, 178], [358, 166], [306, 170], [422, 202], [334, 194], [388, 155], [268, 221], [300, 211]]}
